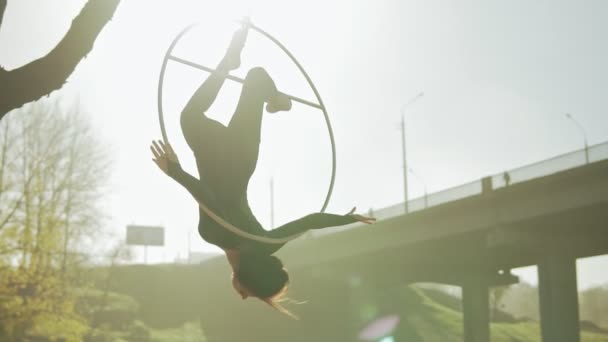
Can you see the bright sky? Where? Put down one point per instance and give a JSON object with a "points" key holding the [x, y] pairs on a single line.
{"points": [[497, 76]]}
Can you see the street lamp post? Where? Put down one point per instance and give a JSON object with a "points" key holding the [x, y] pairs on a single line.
{"points": [[584, 135], [405, 197]]}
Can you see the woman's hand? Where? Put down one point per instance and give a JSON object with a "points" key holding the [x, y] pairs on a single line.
{"points": [[163, 154], [361, 218]]}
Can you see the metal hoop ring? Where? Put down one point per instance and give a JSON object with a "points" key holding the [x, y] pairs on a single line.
{"points": [[318, 105]]}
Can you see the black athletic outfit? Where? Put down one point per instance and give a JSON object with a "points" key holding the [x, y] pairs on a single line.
{"points": [[226, 158]]}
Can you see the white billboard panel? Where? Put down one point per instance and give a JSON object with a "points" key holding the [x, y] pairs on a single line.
{"points": [[145, 235]]}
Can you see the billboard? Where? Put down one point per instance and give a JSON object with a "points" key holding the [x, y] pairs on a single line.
{"points": [[145, 235]]}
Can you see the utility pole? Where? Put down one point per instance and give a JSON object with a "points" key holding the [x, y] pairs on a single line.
{"points": [[584, 136], [426, 194], [405, 197], [271, 203], [189, 246], [405, 207]]}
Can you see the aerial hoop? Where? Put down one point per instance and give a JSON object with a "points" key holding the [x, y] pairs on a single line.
{"points": [[319, 105]]}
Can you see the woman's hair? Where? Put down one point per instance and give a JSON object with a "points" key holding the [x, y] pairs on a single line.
{"points": [[265, 277]]}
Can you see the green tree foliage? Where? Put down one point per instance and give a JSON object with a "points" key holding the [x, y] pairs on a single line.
{"points": [[521, 301], [496, 296], [594, 305], [52, 172]]}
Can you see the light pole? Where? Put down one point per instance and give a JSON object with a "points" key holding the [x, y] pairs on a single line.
{"points": [[584, 135], [271, 203], [426, 203], [412, 100], [189, 247]]}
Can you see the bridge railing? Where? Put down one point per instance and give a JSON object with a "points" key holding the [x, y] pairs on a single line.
{"points": [[536, 170], [552, 165]]}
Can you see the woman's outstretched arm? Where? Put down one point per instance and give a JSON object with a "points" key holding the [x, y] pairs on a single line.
{"points": [[167, 161], [318, 221]]}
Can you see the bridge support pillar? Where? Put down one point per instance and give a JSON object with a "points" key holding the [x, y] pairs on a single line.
{"points": [[476, 310], [558, 296]]}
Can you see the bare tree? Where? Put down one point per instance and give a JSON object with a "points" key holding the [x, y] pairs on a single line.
{"points": [[120, 252], [2, 9], [594, 305], [497, 294], [52, 173], [46, 74], [521, 301]]}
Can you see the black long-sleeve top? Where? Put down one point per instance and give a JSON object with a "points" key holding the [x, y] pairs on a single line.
{"points": [[238, 213]]}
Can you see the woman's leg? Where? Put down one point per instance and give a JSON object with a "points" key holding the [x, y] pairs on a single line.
{"points": [[246, 123], [198, 129]]}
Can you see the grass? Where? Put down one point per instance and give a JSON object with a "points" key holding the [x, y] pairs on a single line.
{"points": [[429, 321], [423, 319], [189, 332]]}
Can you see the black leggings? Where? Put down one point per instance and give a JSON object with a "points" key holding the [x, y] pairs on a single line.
{"points": [[227, 156]]}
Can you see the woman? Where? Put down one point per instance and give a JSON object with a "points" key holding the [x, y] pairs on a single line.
{"points": [[226, 158]]}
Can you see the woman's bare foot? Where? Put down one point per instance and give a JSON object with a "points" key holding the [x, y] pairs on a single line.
{"points": [[232, 59], [280, 102]]}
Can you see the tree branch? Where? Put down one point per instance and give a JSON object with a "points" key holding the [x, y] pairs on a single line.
{"points": [[47, 74], [2, 9]]}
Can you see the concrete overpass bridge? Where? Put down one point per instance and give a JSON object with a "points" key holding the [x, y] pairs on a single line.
{"points": [[547, 214]]}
